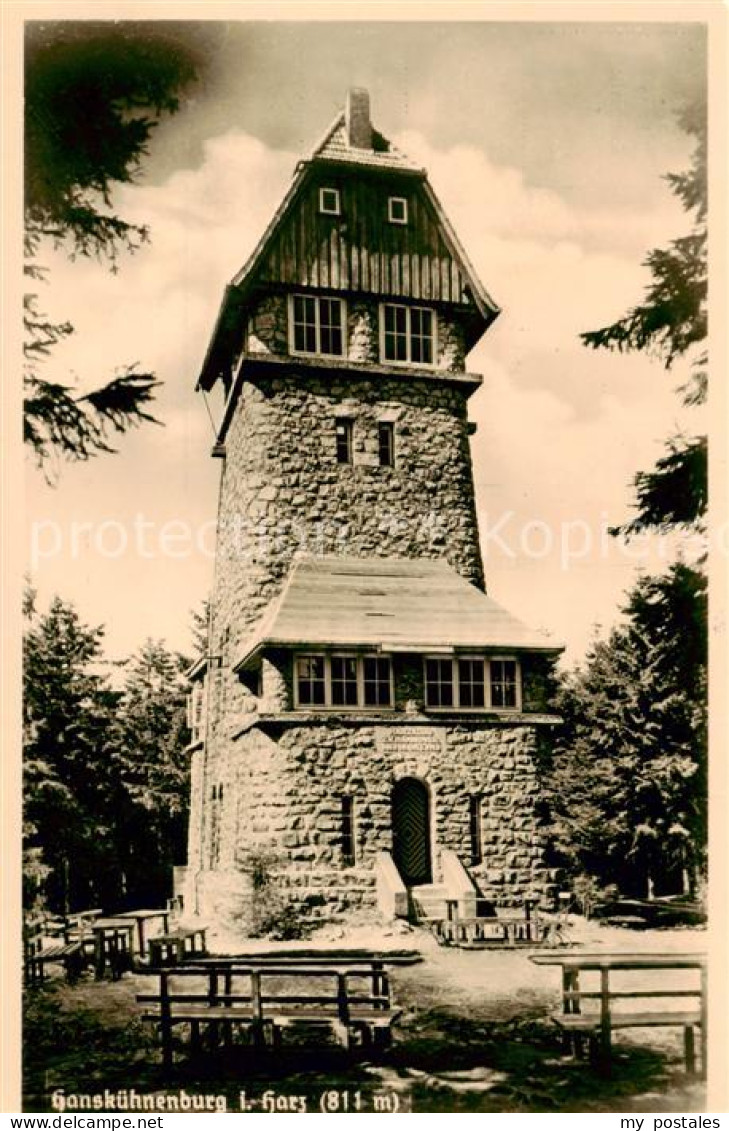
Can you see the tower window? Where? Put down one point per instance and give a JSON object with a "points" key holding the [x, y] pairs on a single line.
{"points": [[503, 684], [474, 826], [397, 210], [439, 683], [386, 442], [377, 681], [472, 683], [345, 440], [310, 681], [349, 838], [407, 334], [344, 681], [339, 680], [316, 325], [329, 201]]}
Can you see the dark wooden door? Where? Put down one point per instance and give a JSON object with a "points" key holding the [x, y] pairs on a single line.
{"points": [[411, 831]]}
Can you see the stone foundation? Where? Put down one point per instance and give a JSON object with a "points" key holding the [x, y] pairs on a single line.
{"points": [[282, 793]]}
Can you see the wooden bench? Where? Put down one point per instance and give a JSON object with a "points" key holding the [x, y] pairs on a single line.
{"points": [[49, 940], [176, 946], [351, 999], [39, 951], [597, 1025], [481, 931]]}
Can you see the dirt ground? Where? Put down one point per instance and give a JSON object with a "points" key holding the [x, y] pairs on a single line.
{"points": [[474, 1036]]}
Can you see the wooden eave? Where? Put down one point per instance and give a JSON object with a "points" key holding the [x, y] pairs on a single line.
{"points": [[277, 722]]}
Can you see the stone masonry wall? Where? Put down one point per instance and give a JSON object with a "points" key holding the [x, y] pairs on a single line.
{"points": [[286, 794], [268, 332]]}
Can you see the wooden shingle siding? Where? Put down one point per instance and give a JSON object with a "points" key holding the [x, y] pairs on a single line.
{"points": [[360, 250]]}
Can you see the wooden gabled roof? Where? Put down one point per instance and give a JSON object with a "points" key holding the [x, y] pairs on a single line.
{"points": [[388, 605], [358, 251]]}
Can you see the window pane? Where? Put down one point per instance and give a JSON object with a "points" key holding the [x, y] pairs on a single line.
{"points": [[377, 691], [421, 335], [310, 680], [471, 680], [304, 324], [396, 341], [344, 681], [329, 200], [503, 684], [386, 438], [398, 209], [439, 683], [330, 326], [344, 433]]}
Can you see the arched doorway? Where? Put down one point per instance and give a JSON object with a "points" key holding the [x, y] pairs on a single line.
{"points": [[411, 831]]}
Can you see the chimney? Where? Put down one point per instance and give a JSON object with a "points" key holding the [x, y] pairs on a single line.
{"points": [[357, 118]]}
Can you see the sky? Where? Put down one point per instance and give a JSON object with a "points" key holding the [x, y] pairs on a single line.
{"points": [[547, 144]]}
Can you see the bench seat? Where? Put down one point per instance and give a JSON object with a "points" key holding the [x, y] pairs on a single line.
{"points": [[585, 1022], [70, 955]]}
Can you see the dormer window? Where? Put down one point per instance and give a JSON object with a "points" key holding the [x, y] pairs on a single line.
{"points": [[329, 202], [407, 334], [397, 210], [316, 325]]}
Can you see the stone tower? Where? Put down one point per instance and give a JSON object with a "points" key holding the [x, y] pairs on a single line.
{"points": [[365, 713]]}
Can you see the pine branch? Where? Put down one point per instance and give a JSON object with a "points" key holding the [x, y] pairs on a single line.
{"points": [[79, 427]]}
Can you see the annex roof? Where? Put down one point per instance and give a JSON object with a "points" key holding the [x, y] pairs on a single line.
{"points": [[389, 605]]}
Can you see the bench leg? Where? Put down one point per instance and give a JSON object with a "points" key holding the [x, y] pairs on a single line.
{"points": [[195, 1044], [166, 1035], [689, 1049]]}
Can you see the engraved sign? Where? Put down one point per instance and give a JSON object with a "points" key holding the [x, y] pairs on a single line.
{"points": [[400, 743]]}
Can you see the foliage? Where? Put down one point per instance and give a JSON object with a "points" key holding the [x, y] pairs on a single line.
{"points": [[68, 711], [588, 892], [671, 323], [270, 914], [94, 94], [151, 772], [105, 775], [627, 788], [200, 628]]}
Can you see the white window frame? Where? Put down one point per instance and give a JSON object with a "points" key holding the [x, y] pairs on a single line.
{"points": [[327, 684], [394, 200], [488, 707], [318, 352], [328, 705], [408, 335], [337, 209], [517, 672]]}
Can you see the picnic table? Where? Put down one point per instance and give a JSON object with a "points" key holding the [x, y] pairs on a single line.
{"points": [[350, 997], [113, 945], [598, 1024], [142, 917], [177, 946], [57, 939]]}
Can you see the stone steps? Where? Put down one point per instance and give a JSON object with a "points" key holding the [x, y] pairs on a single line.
{"points": [[429, 901]]}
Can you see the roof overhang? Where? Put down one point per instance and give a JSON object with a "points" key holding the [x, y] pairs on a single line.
{"points": [[388, 605]]}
